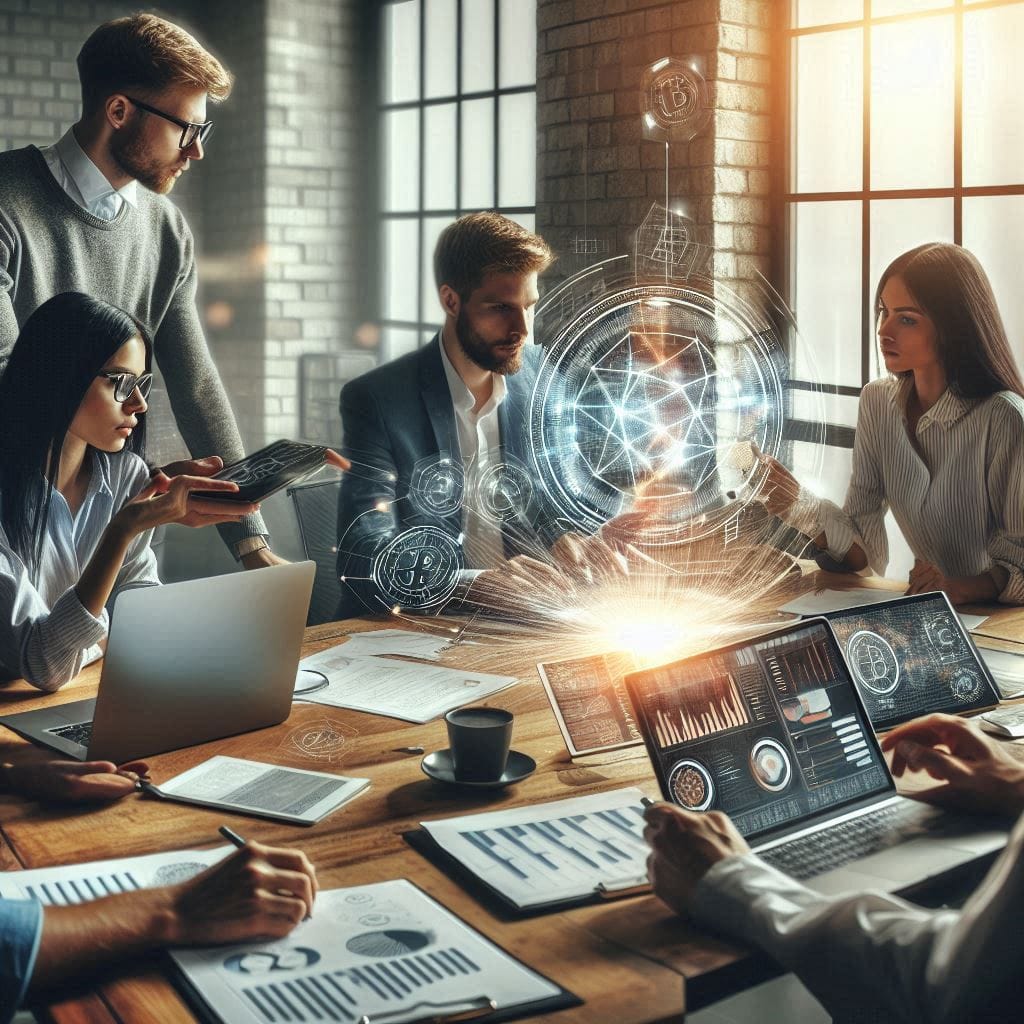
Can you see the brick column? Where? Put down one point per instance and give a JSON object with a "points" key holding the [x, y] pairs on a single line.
{"points": [[590, 61]]}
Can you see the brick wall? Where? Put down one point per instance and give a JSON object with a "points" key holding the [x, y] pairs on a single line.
{"points": [[311, 168], [271, 206], [591, 55]]}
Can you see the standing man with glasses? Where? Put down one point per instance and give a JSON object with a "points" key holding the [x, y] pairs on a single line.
{"points": [[73, 218]]}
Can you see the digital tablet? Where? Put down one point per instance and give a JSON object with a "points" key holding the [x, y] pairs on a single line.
{"points": [[267, 471]]}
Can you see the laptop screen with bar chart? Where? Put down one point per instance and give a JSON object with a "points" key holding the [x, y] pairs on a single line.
{"points": [[771, 731]]}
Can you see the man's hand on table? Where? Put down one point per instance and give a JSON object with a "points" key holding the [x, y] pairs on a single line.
{"points": [[980, 773], [684, 847], [72, 781]]}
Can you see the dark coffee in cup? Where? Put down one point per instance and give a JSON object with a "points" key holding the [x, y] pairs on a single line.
{"points": [[479, 739]]}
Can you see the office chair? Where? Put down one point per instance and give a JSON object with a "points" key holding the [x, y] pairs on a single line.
{"points": [[316, 509]]}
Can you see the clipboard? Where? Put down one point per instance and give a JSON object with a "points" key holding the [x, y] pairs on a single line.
{"points": [[477, 1007], [498, 902]]}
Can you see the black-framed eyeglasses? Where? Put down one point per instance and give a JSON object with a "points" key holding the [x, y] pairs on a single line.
{"points": [[126, 383], [190, 130]]}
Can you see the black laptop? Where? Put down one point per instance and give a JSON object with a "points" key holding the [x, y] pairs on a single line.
{"points": [[773, 732], [912, 656]]}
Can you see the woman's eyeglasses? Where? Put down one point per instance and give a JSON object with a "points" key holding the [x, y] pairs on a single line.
{"points": [[125, 384], [190, 130]]}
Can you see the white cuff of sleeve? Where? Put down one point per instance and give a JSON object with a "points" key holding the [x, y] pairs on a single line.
{"points": [[805, 513]]}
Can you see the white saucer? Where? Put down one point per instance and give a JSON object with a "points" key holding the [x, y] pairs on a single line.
{"points": [[438, 765]]}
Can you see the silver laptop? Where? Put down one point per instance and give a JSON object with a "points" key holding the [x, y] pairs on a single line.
{"points": [[187, 663], [773, 732]]}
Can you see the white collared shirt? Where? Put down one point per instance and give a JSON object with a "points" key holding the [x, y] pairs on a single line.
{"points": [[46, 634], [84, 181], [480, 446], [957, 497]]}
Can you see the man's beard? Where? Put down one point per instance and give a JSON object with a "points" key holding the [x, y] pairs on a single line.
{"points": [[127, 148], [482, 352]]}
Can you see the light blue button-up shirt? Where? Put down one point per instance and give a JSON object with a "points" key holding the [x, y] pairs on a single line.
{"points": [[21, 927], [84, 181], [46, 634]]}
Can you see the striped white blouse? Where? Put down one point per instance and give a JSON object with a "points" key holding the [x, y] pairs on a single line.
{"points": [[958, 497]]}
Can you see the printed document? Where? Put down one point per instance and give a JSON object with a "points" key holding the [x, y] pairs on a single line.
{"points": [[406, 642], [78, 883], [1007, 670], [399, 689], [267, 790], [383, 952], [552, 852]]}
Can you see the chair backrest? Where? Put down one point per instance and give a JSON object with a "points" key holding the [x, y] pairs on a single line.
{"points": [[316, 508]]}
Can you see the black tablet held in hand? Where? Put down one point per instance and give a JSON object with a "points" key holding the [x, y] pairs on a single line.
{"points": [[264, 472]]}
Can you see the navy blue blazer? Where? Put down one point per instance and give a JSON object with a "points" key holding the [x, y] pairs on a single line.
{"points": [[395, 419]]}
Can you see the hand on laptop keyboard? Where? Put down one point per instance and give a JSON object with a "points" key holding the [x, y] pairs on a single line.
{"points": [[684, 846], [72, 781], [979, 772]]}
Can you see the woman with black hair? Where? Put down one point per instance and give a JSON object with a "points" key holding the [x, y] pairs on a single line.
{"points": [[77, 503], [940, 441]]}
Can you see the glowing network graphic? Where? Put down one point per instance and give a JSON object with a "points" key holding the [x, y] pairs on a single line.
{"points": [[503, 492], [645, 393], [438, 485], [874, 662]]}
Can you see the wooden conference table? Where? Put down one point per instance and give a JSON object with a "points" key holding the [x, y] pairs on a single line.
{"points": [[630, 960]]}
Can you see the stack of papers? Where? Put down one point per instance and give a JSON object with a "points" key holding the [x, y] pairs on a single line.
{"points": [[1007, 670]]}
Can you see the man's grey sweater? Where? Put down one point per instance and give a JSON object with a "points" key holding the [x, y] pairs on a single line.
{"points": [[142, 261]]}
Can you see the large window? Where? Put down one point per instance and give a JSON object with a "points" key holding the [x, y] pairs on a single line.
{"points": [[905, 125], [457, 134]]}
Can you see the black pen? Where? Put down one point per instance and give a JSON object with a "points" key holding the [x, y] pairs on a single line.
{"points": [[646, 801], [231, 836]]}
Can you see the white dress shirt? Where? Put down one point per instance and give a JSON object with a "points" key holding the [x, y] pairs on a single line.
{"points": [[46, 634], [871, 957], [958, 497], [83, 181], [480, 446]]}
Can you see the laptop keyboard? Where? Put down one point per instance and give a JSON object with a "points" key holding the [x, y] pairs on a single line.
{"points": [[840, 844], [80, 732]]}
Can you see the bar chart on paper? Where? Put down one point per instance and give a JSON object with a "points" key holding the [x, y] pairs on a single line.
{"points": [[554, 852], [384, 952]]}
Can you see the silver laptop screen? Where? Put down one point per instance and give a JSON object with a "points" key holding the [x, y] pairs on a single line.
{"points": [[769, 731], [912, 656]]}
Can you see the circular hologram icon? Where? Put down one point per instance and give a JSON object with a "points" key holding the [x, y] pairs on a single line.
{"points": [[645, 394], [873, 662], [392, 942], [676, 100], [965, 685], [267, 962], [503, 492], [691, 786], [419, 568], [437, 486], [770, 765]]}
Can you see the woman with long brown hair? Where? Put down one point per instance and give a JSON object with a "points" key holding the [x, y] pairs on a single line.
{"points": [[940, 441]]}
